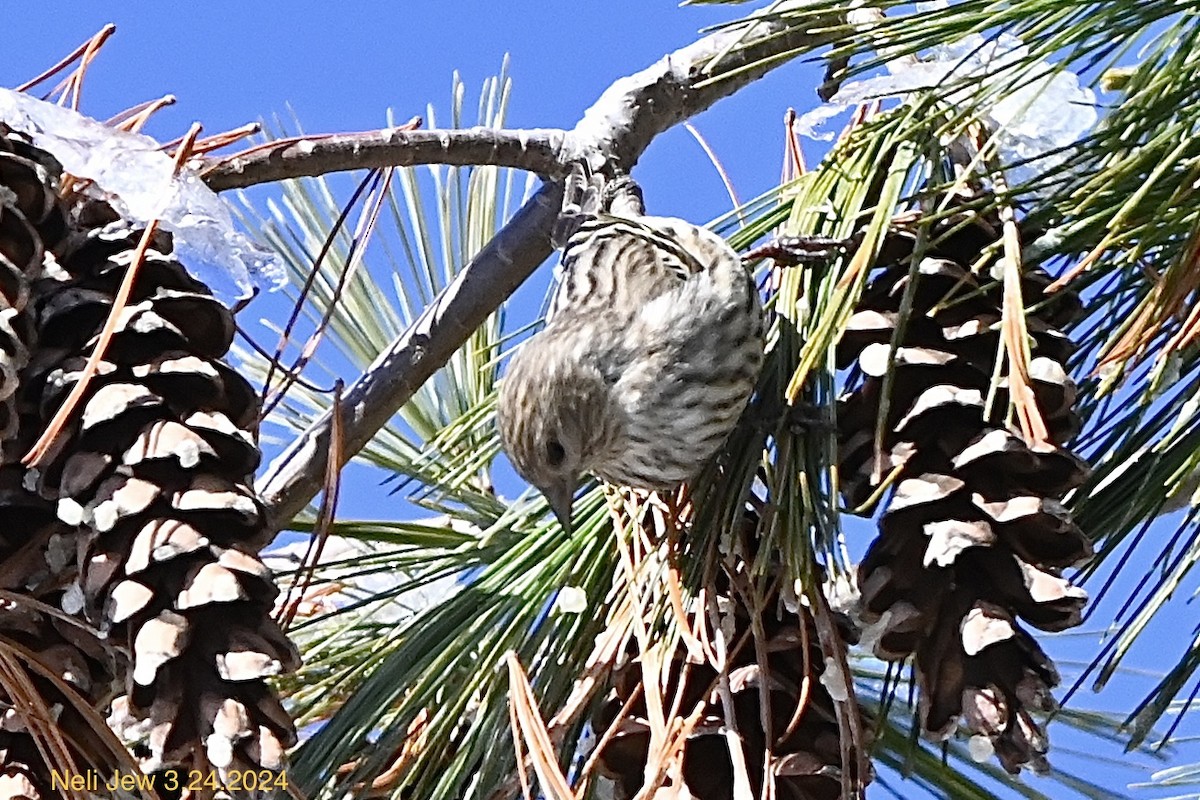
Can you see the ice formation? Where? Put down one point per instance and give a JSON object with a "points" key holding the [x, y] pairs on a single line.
{"points": [[1041, 110], [132, 172]]}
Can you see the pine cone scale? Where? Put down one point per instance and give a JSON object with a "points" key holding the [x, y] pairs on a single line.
{"points": [[974, 536]]}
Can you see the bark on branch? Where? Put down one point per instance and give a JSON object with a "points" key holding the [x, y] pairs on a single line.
{"points": [[611, 136], [539, 151]]}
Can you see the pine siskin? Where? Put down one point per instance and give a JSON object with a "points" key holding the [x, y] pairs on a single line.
{"points": [[653, 343]]}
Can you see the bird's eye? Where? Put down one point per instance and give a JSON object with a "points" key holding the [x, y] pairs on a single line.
{"points": [[555, 453]]}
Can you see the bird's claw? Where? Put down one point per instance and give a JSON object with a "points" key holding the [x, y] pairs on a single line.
{"points": [[795, 250], [588, 193], [622, 196], [802, 418], [807, 419], [581, 200]]}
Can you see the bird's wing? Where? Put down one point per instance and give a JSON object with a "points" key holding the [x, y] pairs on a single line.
{"points": [[622, 263]]}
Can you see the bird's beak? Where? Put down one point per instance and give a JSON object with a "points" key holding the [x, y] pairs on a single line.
{"points": [[562, 498]]}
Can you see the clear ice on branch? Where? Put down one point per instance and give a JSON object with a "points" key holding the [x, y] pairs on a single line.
{"points": [[132, 172]]}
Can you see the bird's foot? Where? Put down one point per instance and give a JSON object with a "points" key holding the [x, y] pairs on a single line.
{"points": [[795, 250], [582, 200], [587, 193], [622, 196], [799, 419], [808, 419]]}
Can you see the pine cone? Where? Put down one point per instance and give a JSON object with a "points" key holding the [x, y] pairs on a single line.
{"points": [[31, 225], [36, 549], [155, 469], [802, 740], [974, 536]]}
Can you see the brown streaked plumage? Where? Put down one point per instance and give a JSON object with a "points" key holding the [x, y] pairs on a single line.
{"points": [[652, 345]]}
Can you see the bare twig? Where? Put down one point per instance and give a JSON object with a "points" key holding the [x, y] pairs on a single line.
{"points": [[610, 137], [539, 151]]}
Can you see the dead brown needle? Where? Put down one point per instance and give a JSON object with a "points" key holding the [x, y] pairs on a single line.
{"points": [[45, 443]]}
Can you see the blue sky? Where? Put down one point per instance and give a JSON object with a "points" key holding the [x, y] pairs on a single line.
{"points": [[339, 66]]}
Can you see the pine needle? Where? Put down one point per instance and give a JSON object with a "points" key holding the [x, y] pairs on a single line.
{"points": [[528, 722], [1015, 336], [326, 514], [793, 156], [133, 119], [717, 165], [90, 46], [1165, 301]]}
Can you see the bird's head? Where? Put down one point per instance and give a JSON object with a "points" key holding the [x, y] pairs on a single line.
{"points": [[553, 414]]}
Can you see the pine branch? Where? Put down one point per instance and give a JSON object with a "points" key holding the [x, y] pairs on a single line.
{"points": [[611, 136], [540, 151], [421, 350]]}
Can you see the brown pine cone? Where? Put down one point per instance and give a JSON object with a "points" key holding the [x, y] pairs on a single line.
{"points": [[155, 471], [974, 537]]}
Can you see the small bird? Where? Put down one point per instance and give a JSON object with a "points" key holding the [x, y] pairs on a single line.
{"points": [[651, 349]]}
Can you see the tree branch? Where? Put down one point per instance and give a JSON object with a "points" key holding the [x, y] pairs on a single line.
{"points": [[611, 136], [424, 347], [627, 117], [539, 151]]}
